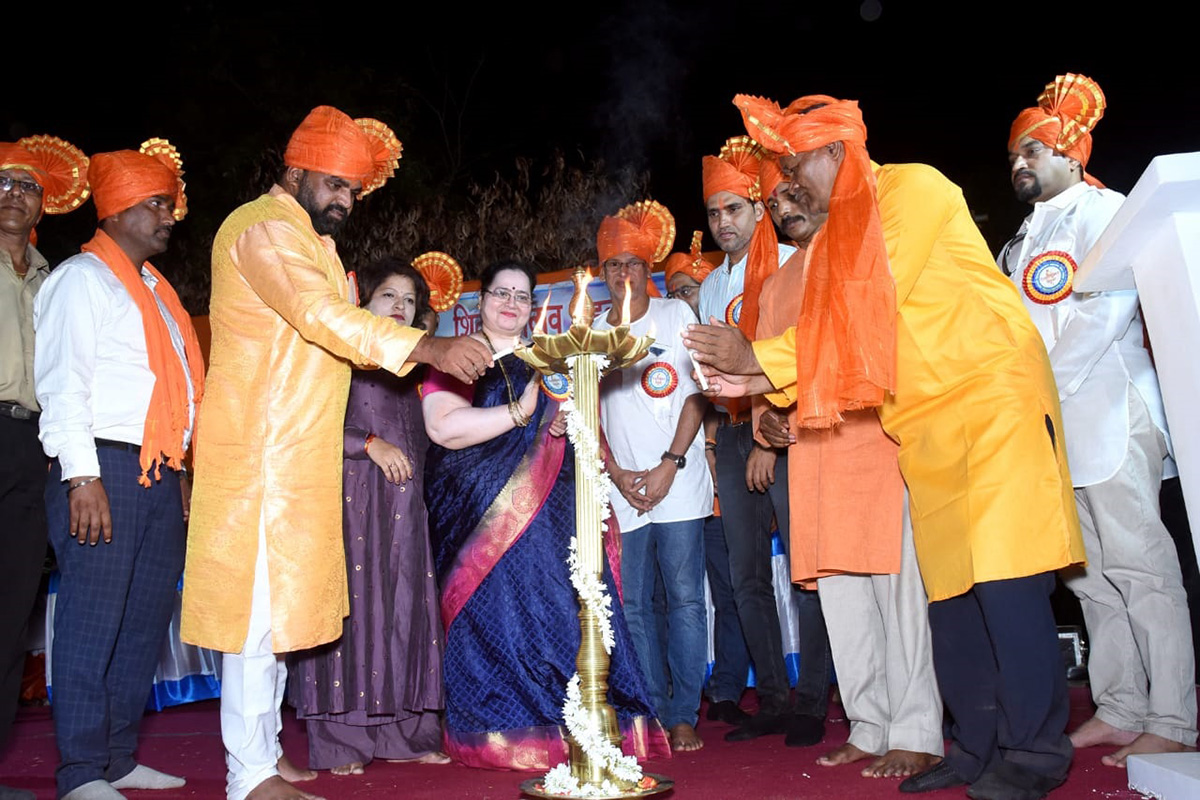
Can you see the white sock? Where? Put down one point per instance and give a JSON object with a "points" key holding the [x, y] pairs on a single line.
{"points": [[94, 790], [143, 777]]}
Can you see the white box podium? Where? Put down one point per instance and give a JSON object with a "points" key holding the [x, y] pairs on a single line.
{"points": [[1153, 245]]}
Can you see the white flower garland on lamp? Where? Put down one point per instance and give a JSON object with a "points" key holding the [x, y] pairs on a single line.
{"points": [[595, 597]]}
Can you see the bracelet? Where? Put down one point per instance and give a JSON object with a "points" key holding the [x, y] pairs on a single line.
{"points": [[367, 444], [518, 416], [710, 446], [75, 486]]}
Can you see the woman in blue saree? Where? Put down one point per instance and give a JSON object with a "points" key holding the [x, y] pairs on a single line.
{"points": [[501, 496]]}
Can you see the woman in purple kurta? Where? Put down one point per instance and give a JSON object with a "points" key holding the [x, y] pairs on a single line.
{"points": [[377, 691]]}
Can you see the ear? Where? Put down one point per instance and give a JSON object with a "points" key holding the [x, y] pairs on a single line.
{"points": [[1075, 165], [759, 210], [292, 177], [836, 151]]}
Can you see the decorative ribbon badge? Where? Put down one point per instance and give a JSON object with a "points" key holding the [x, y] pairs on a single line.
{"points": [[733, 311], [1049, 277], [556, 386], [659, 379]]}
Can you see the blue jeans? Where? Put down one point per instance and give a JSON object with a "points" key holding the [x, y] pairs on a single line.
{"points": [[674, 669]]}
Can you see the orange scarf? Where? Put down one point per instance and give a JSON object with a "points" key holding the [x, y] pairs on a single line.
{"points": [[846, 331], [167, 416]]}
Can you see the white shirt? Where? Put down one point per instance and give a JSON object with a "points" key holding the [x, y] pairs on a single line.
{"points": [[91, 369], [721, 291], [640, 426], [1094, 339]]}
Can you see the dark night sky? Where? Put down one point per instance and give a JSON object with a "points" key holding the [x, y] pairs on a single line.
{"points": [[645, 83]]}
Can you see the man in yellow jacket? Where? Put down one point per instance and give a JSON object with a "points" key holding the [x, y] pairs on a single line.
{"points": [[903, 312], [265, 566]]}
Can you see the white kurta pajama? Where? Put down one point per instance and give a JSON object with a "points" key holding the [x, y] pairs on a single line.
{"points": [[1141, 667]]}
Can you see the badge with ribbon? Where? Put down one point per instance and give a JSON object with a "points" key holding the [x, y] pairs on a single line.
{"points": [[659, 379], [556, 386], [1049, 277], [733, 311]]}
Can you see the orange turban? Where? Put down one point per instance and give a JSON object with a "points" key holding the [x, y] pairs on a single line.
{"points": [[692, 264], [58, 167], [1067, 111], [769, 177], [125, 178], [332, 143], [846, 332], [737, 169], [645, 229]]}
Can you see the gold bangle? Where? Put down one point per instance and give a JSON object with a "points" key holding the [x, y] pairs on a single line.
{"points": [[518, 416]]}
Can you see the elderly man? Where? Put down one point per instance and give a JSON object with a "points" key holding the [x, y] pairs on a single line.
{"points": [[651, 413], [39, 174], [119, 375], [903, 312], [266, 568], [859, 554], [751, 478], [1141, 665]]}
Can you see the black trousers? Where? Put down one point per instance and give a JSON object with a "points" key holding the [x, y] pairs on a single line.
{"points": [[23, 535], [1002, 678]]}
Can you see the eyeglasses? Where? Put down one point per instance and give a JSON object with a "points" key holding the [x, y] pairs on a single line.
{"points": [[7, 184], [515, 295], [682, 293], [613, 265]]}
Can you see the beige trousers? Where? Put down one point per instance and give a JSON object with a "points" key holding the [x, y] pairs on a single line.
{"points": [[879, 634]]}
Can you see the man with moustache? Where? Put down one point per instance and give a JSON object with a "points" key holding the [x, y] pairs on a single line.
{"points": [[119, 375], [904, 313], [651, 413], [859, 554], [266, 565], [751, 478], [1141, 665], [38, 174]]}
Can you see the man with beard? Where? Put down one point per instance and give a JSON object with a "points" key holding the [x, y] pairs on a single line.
{"points": [[266, 566], [858, 554], [119, 375], [903, 312], [38, 174], [1142, 664], [751, 478]]}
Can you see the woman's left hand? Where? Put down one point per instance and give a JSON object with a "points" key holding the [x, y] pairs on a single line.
{"points": [[558, 426], [391, 459]]}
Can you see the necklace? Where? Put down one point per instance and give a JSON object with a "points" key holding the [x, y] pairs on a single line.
{"points": [[514, 408]]}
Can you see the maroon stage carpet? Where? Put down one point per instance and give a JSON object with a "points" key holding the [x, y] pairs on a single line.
{"points": [[186, 741]]}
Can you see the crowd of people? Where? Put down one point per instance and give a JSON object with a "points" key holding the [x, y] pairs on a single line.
{"points": [[380, 519]]}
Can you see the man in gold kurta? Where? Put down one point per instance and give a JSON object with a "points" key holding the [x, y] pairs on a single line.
{"points": [[906, 314], [265, 569]]}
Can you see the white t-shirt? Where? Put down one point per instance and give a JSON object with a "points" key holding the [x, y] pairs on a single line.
{"points": [[640, 407]]}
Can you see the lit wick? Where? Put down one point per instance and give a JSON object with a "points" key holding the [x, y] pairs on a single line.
{"points": [[625, 303], [540, 326]]}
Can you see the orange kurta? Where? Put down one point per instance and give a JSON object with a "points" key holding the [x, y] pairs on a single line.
{"points": [[990, 493], [270, 432], [845, 493]]}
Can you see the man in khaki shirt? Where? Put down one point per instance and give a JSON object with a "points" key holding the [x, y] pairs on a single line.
{"points": [[36, 176]]}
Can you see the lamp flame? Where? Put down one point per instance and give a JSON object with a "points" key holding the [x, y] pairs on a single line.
{"points": [[625, 303], [540, 326]]}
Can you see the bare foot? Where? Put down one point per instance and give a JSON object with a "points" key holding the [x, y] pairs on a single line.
{"points": [[276, 788], [293, 774], [1096, 732], [1146, 743], [353, 768], [683, 737], [846, 754], [437, 757], [899, 764]]}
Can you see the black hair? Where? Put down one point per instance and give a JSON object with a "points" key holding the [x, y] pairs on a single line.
{"points": [[489, 275], [379, 270]]}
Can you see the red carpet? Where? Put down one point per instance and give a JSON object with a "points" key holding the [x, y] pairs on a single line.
{"points": [[186, 741]]}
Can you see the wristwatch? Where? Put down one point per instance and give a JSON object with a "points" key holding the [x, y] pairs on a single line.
{"points": [[680, 461]]}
